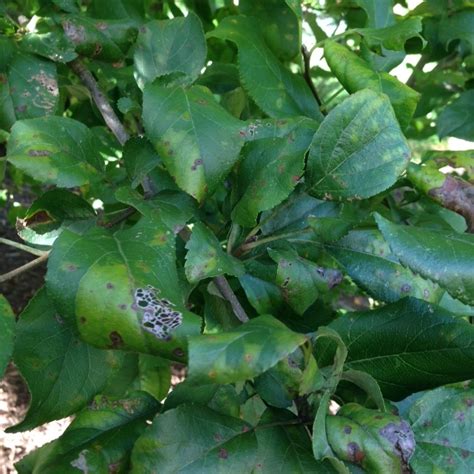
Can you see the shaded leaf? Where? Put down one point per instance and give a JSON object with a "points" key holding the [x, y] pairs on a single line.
{"points": [[265, 297], [278, 20], [241, 353], [62, 372], [442, 420], [55, 150], [446, 258], [95, 279], [7, 333], [457, 118], [205, 257], [285, 448], [197, 139], [406, 346], [355, 75], [173, 208], [277, 91], [369, 262], [458, 26], [376, 441], [169, 46], [154, 375], [220, 443], [98, 440], [358, 151]]}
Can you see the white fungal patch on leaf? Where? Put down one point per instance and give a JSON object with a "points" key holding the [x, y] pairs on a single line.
{"points": [[159, 317]]}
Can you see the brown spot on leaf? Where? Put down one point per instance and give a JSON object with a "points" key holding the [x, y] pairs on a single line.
{"points": [[82, 319], [223, 453], [39, 153], [178, 352], [116, 339], [196, 163], [122, 306], [465, 454], [354, 453], [347, 430], [469, 402], [109, 286]]}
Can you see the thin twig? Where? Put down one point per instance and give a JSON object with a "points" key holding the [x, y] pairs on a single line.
{"points": [[284, 423], [124, 215], [226, 291], [100, 100], [23, 247], [24, 268], [307, 74]]}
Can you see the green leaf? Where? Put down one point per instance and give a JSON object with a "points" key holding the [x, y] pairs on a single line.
{"points": [[197, 139], [95, 278], [62, 372], [355, 75], [98, 440], [140, 158], [241, 353], [442, 420], [458, 26], [205, 257], [170, 46], [285, 448], [395, 36], [51, 44], [301, 280], [406, 346], [367, 383], [369, 262], [379, 12], [219, 443], [106, 40], [154, 375], [55, 150], [7, 333], [277, 91], [174, 209], [358, 151], [457, 118], [278, 21], [446, 258], [279, 161], [376, 441], [265, 297]]}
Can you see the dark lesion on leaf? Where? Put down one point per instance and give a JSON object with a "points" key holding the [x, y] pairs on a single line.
{"points": [[116, 340]]}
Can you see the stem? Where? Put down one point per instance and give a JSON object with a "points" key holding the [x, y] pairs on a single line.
{"points": [[226, 291], [124, 215], [307, 74], [24, 268], [233, 236], [23, 247], [417, 68], [283, 423], [100, 100], [245, 247]]}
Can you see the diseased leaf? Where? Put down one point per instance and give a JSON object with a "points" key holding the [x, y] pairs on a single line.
{"points": [[369, 262], [205, 257], [107, 40], [406, 346], [457, 118], [277, 91], [100, 437], [170, 46], [355, 75], [301, 280], [220, 443], [376, 441], [442, 420], [55, 150], [7, 333], [269, 172], [358, 151], [446, 258], [33, 86], [197, 139], [62, 372], [242, 353], [123, 289]]}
